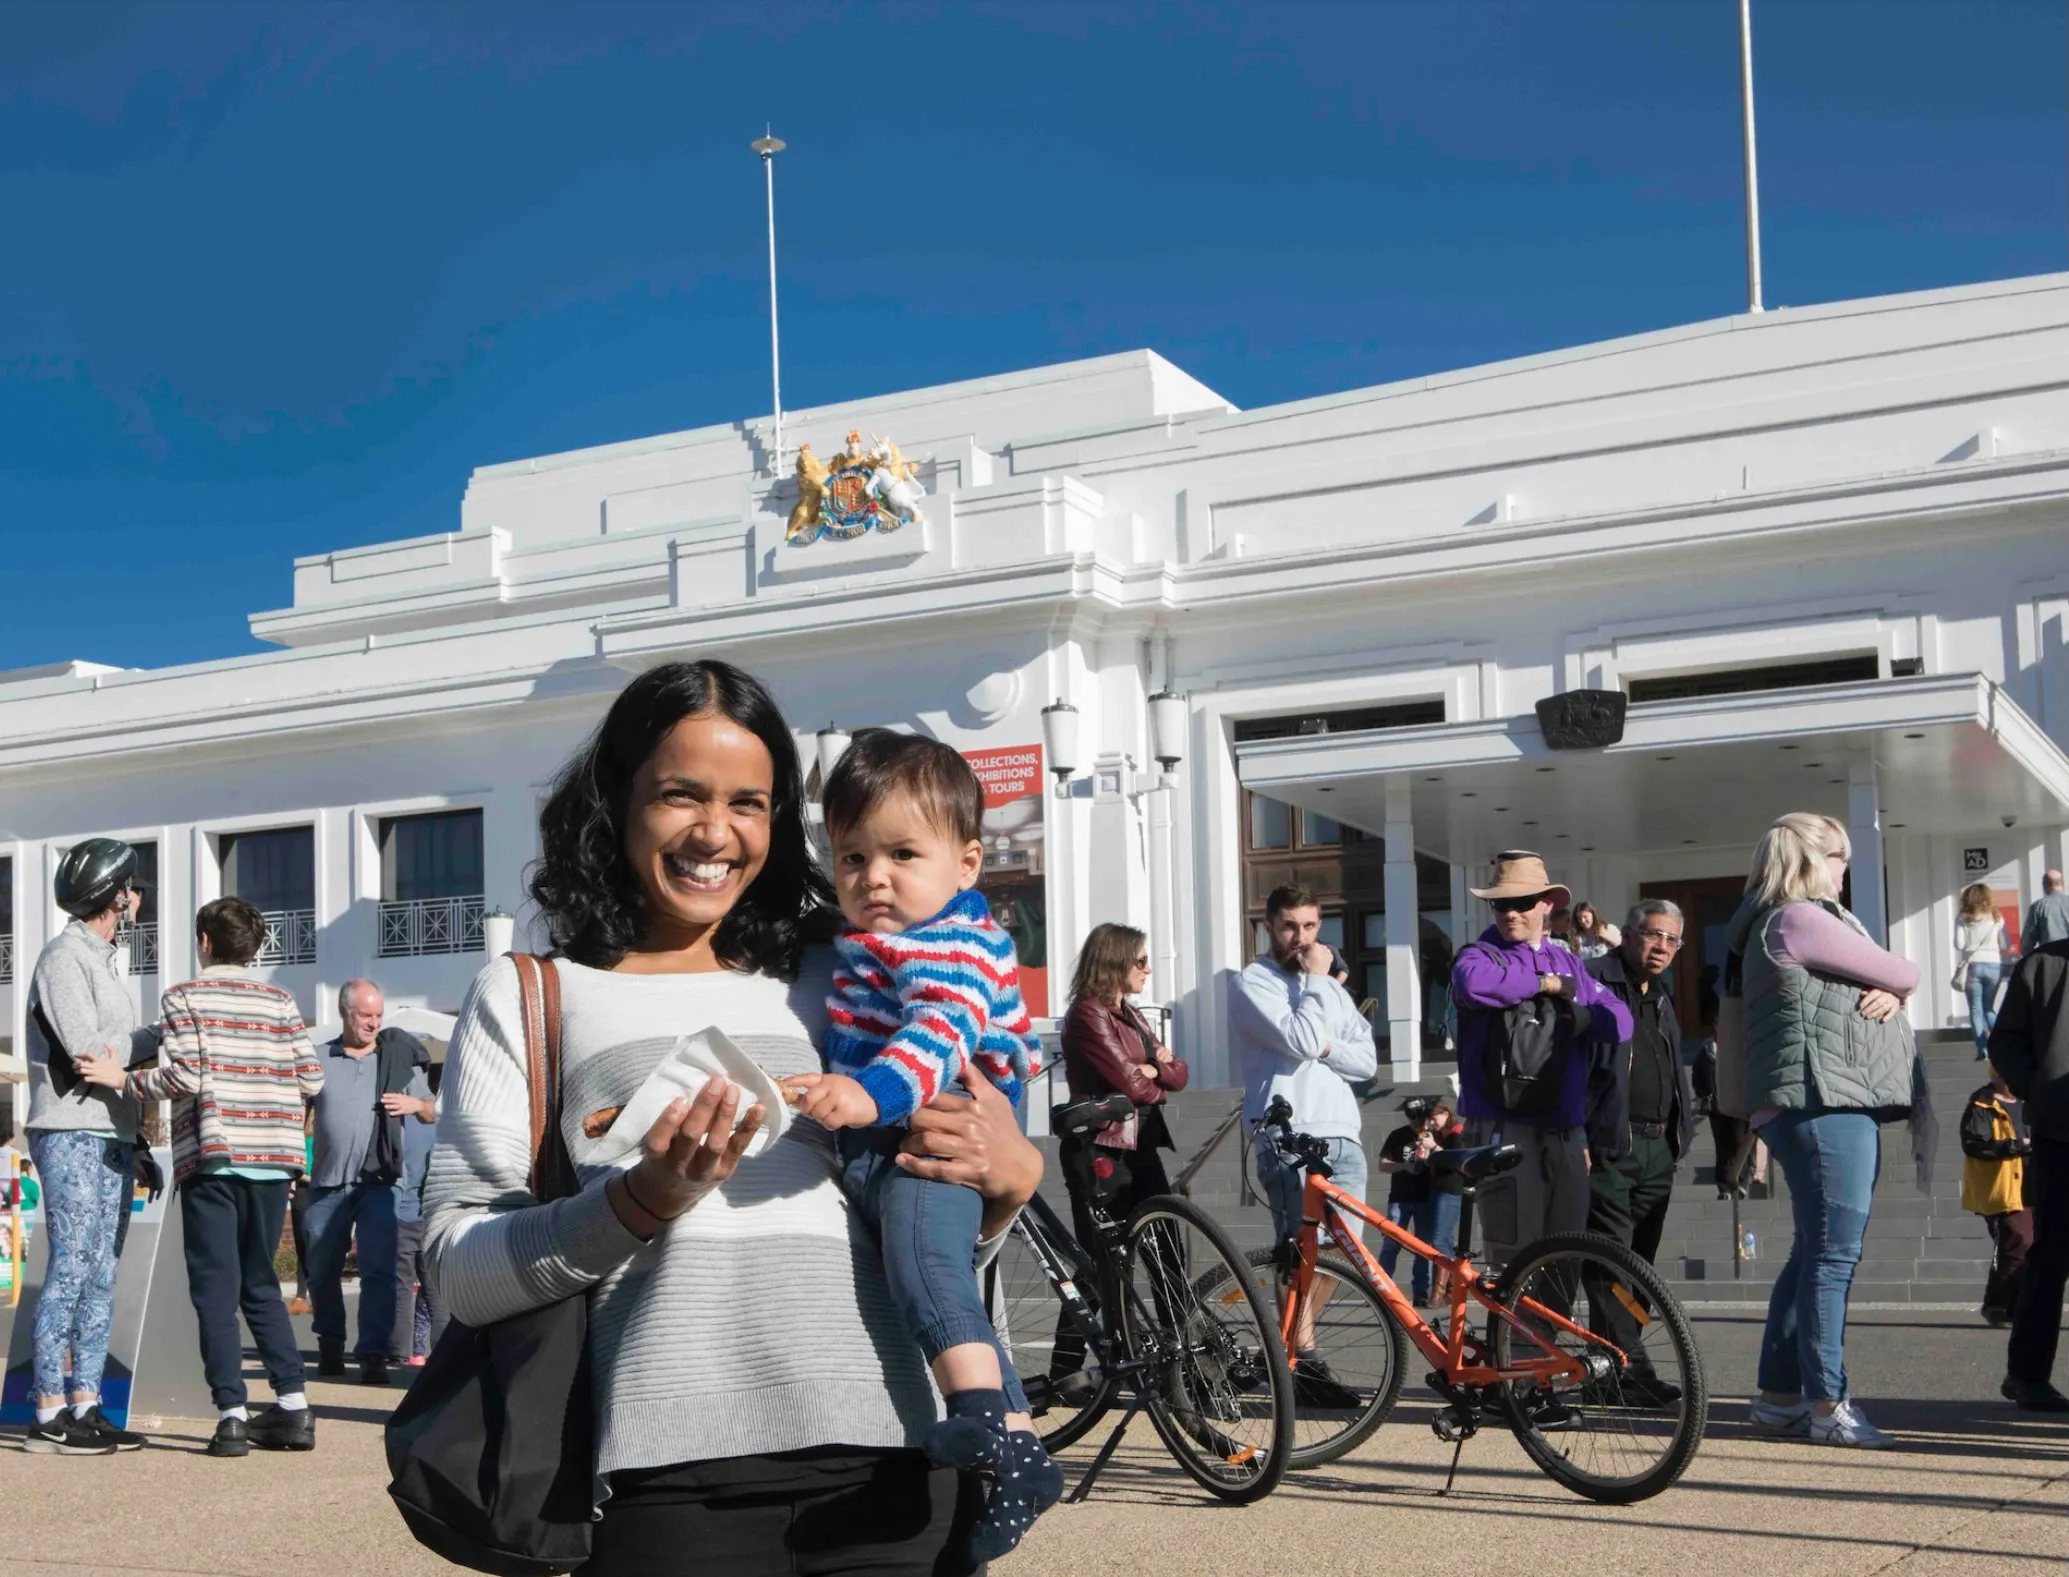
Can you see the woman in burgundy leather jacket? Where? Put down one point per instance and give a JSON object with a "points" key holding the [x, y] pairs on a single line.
{"points": [[1109, 1048]]}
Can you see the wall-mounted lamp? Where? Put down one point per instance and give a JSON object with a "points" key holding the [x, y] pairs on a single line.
{"points": [[1060, 743], [498, 932], [1168, 715], [833, 744], [1168, 719]]}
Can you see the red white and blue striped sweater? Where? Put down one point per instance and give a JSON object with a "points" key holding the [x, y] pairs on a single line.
{"points": [[910, 1011]]}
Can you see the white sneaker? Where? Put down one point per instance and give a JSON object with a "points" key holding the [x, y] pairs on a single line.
{"points": [[1780, 1418], [1847, 1425]]}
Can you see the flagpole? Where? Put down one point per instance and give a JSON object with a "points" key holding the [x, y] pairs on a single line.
{"points": [[768, 146], [1752, 159]]}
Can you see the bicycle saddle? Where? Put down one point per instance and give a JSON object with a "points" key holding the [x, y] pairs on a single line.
{"points": [[1475, 1165], [1078, 1118]]}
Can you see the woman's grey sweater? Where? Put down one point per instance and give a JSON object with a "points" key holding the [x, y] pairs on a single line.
{"points": [[80, 986], [756, 1322]]}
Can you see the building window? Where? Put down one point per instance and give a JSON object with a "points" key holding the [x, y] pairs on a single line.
{"points": [[142, 931], [275, 872], [1271, 823], [6, 920], [1745, 681], [1349, 720], [431, 884]]}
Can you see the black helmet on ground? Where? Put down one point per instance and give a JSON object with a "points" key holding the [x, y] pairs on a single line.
{"points": [[92, 873]]}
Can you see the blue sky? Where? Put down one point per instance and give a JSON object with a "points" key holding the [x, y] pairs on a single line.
{"points": [[276, 278]]}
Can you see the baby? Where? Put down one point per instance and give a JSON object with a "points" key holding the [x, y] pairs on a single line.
{"points": [[927, 986]]}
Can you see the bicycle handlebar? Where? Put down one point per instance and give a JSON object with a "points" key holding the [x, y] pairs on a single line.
{"points": [[1304, 1150]]}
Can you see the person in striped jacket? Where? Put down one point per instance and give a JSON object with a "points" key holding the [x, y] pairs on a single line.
{"points": [[238, 1068], [927, 992]]}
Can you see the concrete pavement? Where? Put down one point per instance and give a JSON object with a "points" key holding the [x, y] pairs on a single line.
{"points": [[1974, 1490]]}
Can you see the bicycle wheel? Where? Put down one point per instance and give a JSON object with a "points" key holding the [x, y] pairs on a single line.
{"points": [[1220, 1393], [1628, 1430], [1067, 1384], [1363, 1355]]}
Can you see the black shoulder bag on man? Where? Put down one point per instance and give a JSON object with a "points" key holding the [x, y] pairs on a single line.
{"points": [[1524, 1064], [493, 1449]]}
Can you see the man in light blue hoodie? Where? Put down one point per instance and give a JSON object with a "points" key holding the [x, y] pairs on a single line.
{"points": [[1299, 1035]]}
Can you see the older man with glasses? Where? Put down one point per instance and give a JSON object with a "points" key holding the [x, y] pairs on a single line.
{"points": [[1641, 1101]]}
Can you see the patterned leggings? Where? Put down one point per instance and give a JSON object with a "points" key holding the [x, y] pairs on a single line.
{"points": [[86, 1194]]}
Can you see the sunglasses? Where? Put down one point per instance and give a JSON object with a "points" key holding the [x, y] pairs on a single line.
{"points": [[1142, 962], [1515, 905]]}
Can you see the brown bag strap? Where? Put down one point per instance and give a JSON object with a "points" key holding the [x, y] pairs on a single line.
{"points": [[538, 991]]}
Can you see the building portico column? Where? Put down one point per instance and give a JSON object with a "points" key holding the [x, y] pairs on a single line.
{"points": [[1404, 987], [1864, 832]]}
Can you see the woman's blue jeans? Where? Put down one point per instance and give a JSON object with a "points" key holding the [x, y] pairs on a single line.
{"points": [[1982, 997], [1830, 1160], [1421, 1219]]}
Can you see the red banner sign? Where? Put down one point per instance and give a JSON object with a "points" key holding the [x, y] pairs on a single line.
{"points": [[1008, 774]]}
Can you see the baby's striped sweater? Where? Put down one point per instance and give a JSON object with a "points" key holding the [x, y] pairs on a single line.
{"points": [[909, 1011], [238, 1067]]}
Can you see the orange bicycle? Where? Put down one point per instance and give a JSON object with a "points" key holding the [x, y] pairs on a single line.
{"points": [[1579, 1345]]}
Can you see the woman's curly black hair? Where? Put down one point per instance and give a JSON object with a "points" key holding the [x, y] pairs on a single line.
{"points": [[594, 906]]}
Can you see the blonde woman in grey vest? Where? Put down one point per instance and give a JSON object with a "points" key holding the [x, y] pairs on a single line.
{"points": [[1829, 1057]]}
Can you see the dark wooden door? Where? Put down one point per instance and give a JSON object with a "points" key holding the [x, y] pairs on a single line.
{"points": [[1706, 907]]}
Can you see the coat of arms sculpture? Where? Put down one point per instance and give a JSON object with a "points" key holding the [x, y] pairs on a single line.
{"points": [[861, 489]]}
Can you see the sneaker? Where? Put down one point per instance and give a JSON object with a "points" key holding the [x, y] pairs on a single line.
{"points": [[1547, 1414], [125, 1440], [1780, 1418], [1317, 1390], [231, 1439], [373, 1370], [2033, 1396], [1995, 1316], [1847, 1425], [67, 1436], [277, 1429]]}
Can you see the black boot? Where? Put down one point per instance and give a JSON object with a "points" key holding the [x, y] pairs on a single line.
{"points": [[330, 1357], [373, 1369]]}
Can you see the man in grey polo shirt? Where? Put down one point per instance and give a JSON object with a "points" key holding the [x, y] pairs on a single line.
{"points": [[373, 1081]]}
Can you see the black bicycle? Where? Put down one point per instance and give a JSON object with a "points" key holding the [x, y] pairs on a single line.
{"points": [[1087, 1324]]}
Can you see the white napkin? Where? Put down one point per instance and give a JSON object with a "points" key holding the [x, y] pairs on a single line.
{"points": [[683, 1072]]}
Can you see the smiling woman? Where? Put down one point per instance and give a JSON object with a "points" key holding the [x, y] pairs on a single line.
{"points": [[657, 833], [759, 1401]]}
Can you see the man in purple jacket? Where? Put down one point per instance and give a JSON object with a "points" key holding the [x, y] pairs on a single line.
{"points": [[1511, 962]]}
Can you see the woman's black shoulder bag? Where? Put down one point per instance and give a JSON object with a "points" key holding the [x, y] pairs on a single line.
{"points": [[493, 1449]]}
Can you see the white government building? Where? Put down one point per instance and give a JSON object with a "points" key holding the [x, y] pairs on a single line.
{"points": [[1822, 553]]}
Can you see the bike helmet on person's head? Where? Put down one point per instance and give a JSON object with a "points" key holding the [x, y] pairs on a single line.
{"points": [[91, 875]]}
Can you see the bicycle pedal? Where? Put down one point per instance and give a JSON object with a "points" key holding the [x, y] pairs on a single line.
{"points": [[1455, 1424]]}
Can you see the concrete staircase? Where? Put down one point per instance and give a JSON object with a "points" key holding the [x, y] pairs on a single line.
{"points": [[1920, 1249]]}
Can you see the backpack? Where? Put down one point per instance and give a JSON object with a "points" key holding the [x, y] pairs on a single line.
{"points": [[1524, 1064]]}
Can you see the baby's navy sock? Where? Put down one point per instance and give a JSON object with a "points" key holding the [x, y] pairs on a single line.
{"points": [[1025, 1484], [973, 1435]]}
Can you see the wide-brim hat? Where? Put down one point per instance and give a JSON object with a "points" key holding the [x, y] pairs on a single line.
{"points": [[1518, 873]]}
